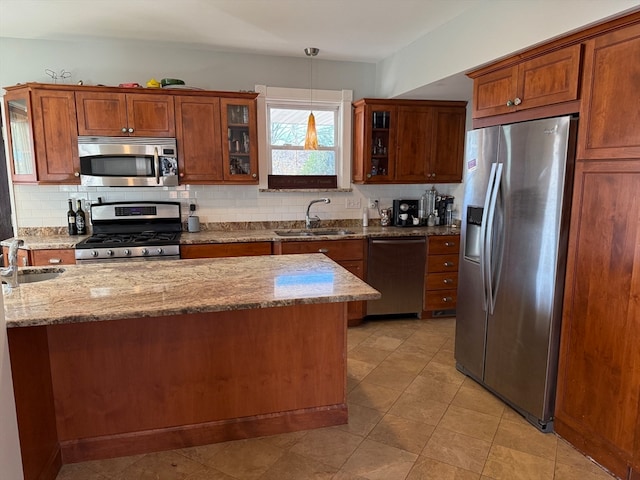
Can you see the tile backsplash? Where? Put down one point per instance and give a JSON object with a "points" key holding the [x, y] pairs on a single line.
{"points": [[46, 206]]}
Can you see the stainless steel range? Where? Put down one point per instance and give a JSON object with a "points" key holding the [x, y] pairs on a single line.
{"points": [[126, 231]]}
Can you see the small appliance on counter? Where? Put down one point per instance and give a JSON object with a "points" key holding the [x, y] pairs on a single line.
{"points": [[405, 213]]}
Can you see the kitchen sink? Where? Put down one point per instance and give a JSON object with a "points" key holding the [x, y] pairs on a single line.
{"points": [[313, 233], [32, 275]]}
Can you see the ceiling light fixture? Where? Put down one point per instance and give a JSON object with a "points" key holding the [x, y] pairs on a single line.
{"points": [[311, 139]]}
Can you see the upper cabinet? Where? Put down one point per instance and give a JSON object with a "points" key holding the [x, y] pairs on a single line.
{"points": [[408, 141], [239, 140], [544, 80], [610, 118], [42, 134], [148, 114]]}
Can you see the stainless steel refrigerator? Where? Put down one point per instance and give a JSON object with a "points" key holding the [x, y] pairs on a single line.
{"points": [[515, 219]]}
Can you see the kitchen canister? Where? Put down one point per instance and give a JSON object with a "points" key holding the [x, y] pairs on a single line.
{"points": [[193, 223]]}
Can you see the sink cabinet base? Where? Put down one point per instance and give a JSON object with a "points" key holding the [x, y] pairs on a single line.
{"points": [[139, 385]]}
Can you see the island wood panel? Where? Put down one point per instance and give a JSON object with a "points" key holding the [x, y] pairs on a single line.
{"points": [[216, 250], [140, 385], [41, 456]]}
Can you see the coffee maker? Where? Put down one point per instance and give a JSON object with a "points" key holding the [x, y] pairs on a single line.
{"points": [[404, 213]]}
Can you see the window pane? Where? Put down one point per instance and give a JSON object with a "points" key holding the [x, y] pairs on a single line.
{"points": [[303, 162], [289, 126]]}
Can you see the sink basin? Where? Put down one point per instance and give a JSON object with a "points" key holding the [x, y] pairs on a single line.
{"points": [[313, 233], [32, 275]]}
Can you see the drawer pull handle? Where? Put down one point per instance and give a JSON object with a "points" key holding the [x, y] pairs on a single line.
{"points": [[448, 281], [323, 250], [449, 264], [449, 244], [447, 299], [55, 261]]}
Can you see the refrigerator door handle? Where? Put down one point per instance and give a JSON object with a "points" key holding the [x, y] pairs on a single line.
{"points": [[483, 234], [489, 253]]}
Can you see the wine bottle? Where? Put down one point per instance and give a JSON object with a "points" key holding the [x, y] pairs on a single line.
{"points": [[81, 224], [71, 219]]}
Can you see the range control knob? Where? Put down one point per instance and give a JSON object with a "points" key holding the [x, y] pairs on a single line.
{"points": [[94, 253], [159, 251], [144, 251], [109, 253], [126, 251]]}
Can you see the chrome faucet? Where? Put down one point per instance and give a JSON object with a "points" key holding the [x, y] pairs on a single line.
{"points": [[313, 222], [11, 272]]}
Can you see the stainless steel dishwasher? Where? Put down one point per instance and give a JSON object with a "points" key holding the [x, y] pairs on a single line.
{"points": [[395, 268]]}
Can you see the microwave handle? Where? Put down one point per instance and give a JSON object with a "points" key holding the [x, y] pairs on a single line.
{"points": [[156, 164]]}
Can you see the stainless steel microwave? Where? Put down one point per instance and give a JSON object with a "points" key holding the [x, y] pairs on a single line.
{"points": [[128, 161]]}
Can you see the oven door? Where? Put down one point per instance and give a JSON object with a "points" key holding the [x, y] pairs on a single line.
{"points": [[127, 162]]}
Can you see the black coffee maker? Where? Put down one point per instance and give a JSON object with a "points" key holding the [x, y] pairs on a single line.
{"points": [[404, 212]]}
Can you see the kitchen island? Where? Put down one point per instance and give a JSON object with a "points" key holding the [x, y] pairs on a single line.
{"points": [[116, 359]]}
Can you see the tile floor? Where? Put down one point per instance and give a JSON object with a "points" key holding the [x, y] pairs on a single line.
{"points": [[412, 416]]}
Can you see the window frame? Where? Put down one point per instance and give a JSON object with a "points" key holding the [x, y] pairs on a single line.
{"points": [[301, 97]]}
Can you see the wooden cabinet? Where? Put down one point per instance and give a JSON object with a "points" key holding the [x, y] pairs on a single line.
{"points": [[216, 250], [610, 115], [349, 254], [118, 114], [23, 257], [544, 80], [408, 141], [40, 258], [441, 274], [598, 394], [42, 135], [216, 140]]}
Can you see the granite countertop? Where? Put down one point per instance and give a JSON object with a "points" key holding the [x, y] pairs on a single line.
{"points": [[111, 291], [44, 242]]}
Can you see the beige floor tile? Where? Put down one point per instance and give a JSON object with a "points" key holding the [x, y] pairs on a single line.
{"points": [[331, 446], [342, 475], [295, 467], [525, 438], [246, 459], [285, 440], [355, 336], [382, 342], [406, 362], [511, 415], [377, 461], [427, 340], [161, 466], [468, 422], [430, 469], [74, 471], [368, 354], [390, 377], [444, 356], [432, 389], [478, 399], [402, 433], [361, 420], [373, 396], [507, 464], [455, 449], [202, 453], [419, 409], [567, 472], [357, 369], [209, 474], [566, 454], [112, 466], [441, 372]]}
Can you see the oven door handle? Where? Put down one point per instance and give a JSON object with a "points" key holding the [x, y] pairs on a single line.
{"points": [[156, 164]]}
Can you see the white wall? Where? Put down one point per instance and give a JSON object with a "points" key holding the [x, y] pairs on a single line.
{"points": [[10, 460], [492, 29]]}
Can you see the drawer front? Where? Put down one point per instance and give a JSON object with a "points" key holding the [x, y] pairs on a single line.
{"points": [[53, 257], [444, 244], [441, 300], [217, 250], [442, 263], [441, 281], [334, 249]]}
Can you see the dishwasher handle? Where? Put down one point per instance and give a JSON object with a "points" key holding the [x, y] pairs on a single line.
{"points": [[383, 241]]}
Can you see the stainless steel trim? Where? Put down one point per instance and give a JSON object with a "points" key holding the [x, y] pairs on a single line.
{"points": [[491, 288], [103, 254], [483, 235], [156, 164]]}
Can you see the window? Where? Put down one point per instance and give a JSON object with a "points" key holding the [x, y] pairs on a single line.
{"points": [[285, 113]]}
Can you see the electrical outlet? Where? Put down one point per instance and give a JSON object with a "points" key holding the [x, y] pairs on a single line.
{"points": [[373, 203], [353, 203]]}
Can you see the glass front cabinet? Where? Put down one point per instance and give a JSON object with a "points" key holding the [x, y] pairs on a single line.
{"points": [[239, 145]]}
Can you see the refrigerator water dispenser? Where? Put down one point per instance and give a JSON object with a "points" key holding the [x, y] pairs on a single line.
{"points": [[472, 243]]}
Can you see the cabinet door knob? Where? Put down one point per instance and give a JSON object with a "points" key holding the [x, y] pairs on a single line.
{"points": [[449, 244], [130, 130], [76, 174], [124, 129], [449, 264], [368, 175], [255, 175], [323, 250], [447, 281], [447, 299], [509, 103], [517, 101]]}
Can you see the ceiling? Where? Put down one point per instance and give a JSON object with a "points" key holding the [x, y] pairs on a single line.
{"points": [[344, 30]]}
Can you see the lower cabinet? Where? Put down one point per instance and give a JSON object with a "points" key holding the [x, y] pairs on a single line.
{"points": [[216, 250], [441, 275], [40, 258], [350, 254]]}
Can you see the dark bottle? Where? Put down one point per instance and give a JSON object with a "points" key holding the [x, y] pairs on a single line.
{"points": [[81, 224], [71, 219]]}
